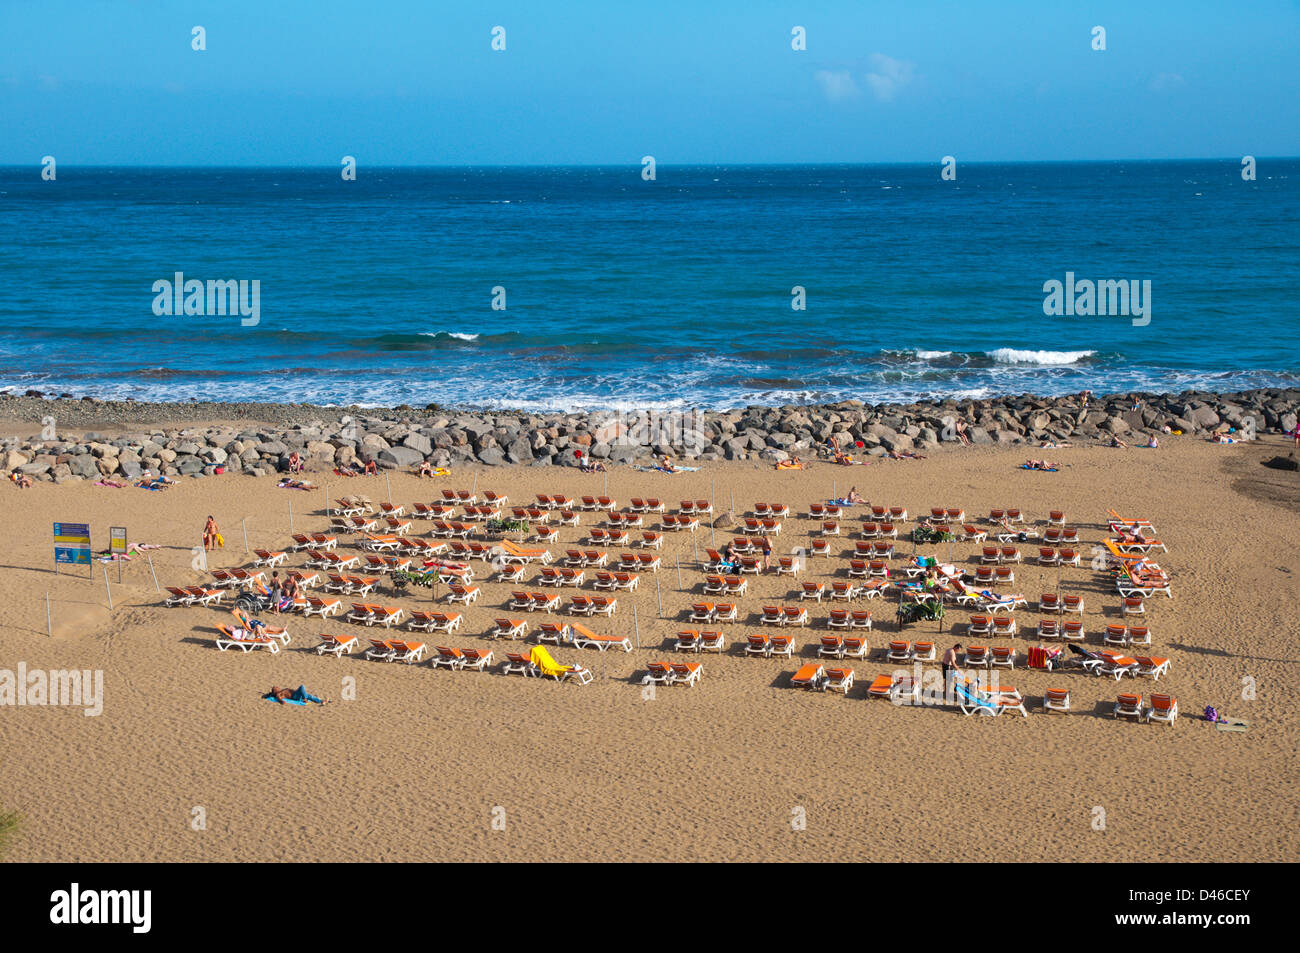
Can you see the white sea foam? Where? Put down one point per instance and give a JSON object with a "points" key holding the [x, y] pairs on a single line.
{"points": [[458, 335], [1010, 355], [931, 355]]}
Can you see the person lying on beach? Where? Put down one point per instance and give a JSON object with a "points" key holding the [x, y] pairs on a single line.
{"points": [[21, 480], [905, 455], [590, 466], [1116, 442], [838, 455], [1221, 438], [115, 484], [294, 696], [1053, 445], [1040, 465], [295, 485], [346, 471]]}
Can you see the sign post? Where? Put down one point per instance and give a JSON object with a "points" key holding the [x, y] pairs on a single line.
{"points": [[117, 548], [72, 546]]}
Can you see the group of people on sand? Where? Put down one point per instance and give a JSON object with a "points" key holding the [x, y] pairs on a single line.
{"points": [[283, 593]]}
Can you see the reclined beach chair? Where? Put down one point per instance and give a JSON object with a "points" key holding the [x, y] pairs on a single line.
{"points": [[809, 676], [337, 645], [686, 673], [584, 638], [1129, 706], [1163, 708], [970, 699], [838, 680], [241, 639], [658, 673]]}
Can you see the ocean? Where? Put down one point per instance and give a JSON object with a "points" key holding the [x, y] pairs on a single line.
{"points": [[614, 291]]}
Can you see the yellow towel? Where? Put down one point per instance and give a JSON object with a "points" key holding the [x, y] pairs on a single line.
{"points": [[221, 541], [542, 659]]}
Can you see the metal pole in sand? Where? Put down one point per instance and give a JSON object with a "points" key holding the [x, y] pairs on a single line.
{"points": [[605, 491], [835, 489], [49, 621], [245, 529], [678, 561], [474, 489], [637, 627], [157, 588], [291, 516], [695, 548], [659, 596], [108, 590], [733, 504], [327, 499], [390, 488]]}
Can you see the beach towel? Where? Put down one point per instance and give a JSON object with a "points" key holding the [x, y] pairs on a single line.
{"points": [[542, 659], [663, 470], [1025, 466], [787, 465], [300, 696], [221, 541]]}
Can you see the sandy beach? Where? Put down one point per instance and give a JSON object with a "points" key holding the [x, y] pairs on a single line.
{"points": [[436, 765]]}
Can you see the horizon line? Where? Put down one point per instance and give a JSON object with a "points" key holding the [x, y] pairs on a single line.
{"points": [[636, 164]]}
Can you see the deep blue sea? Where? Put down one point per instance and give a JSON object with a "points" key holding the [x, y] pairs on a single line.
{"points": [[672, 292]]}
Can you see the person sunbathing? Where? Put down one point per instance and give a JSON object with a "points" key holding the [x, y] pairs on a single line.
{"points": [[371, 468], [854, 496], [1054, 445], [21, 480], [1116, 442], [905, 455], [298, 696], [1041, 465], [1153, 443], [667, 465], [425, 469]]}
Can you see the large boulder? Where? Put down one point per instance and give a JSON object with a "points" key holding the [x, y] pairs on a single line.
{"points": [[419, 443], [395, 457]]}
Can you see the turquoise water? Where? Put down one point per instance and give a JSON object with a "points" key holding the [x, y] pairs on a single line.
{"points": [[674, 292]]}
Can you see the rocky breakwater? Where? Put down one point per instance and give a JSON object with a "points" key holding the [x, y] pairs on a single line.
{"points": [[402, 438]]}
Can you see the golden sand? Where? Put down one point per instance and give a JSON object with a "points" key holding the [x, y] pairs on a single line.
{"points": [[429, 765]]}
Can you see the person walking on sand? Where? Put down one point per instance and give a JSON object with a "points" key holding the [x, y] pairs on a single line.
{"points": [[210, 534], [950, 664]]}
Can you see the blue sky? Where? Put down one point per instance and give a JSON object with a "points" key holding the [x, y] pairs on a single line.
{"points": [[94, 82]]}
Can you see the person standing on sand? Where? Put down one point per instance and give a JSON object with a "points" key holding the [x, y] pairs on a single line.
{"points": [[950, 665], [210, 534]]}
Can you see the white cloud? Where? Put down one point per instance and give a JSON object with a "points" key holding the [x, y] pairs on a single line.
{"points": [[836, 84], [888, 76], [1163, 82]]}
